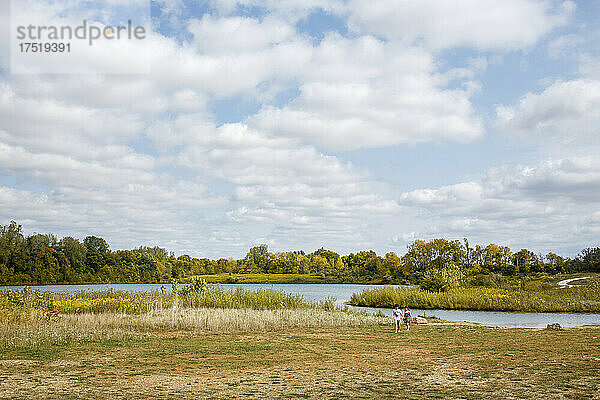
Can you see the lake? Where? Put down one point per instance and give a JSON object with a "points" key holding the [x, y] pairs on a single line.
{"points": [[342, 293]]}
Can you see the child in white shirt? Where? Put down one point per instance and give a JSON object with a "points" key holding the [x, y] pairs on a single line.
{"points": [[397, 314]]}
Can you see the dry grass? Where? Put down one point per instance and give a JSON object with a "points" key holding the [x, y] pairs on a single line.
{"points": [[36, 330], [441, 361], [228, 320]]}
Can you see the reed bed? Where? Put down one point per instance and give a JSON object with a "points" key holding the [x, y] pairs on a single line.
{"points": [[33, 318], [584, 299], [141, 302], [216, 297]]}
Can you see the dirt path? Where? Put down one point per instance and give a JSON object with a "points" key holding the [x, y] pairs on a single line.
{"points": [[565, 283]]}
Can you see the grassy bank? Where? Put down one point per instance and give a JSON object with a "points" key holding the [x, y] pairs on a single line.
{"points": [[265, 278], [529, 296], [364, 362], [285, 278]]}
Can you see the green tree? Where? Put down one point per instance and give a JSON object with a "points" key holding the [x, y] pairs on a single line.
{"points": [[588, 260], [13, 254], [496, 258], [75, 251], [442, 279], [258, 258], [555, 264], [318, 265], [393, 264], [96, 251]]}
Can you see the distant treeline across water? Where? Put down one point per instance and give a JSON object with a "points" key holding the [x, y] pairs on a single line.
{"points": [[46, 259]]}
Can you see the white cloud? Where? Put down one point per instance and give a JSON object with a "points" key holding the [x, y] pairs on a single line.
{"points": [[568, 112], [291, 190], [298, 192], [290, 10], [245, 156], [546, 206], [60, 127], [366, 93], [439, 24], [238, 34], [81, 153]]}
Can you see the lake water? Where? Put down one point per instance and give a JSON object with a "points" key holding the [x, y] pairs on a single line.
{"points": [[342, 293]]}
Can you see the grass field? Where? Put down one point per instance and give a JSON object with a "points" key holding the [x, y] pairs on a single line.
{"points": [[363, 362]]}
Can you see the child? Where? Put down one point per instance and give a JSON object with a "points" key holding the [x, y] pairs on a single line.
{"points": [[397, 317], [407, 317]]}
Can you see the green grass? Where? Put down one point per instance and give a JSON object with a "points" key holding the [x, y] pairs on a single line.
{"points": [[525, 295], [286, 278], [265, 278]]}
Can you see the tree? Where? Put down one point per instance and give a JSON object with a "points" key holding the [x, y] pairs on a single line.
{"points": [[42, 258], [45, 268], [13, 255], [555, 264], [64, 271], [96, 244], [442, 279], [258, 258], [36, 244], [436, 253], [526, 261], [394, 265], [468, 254], [96, 251], [75, 252], [364, 264], [496, 258], [333, 264], [588, 260]]}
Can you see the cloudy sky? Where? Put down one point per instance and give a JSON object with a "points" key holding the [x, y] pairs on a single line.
{"points": [[361, 124]]}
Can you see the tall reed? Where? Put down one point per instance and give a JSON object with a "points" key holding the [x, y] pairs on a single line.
{"points": [[140, 302], [32, 318], [577, 299]]}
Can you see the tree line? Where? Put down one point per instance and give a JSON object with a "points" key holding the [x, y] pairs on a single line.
{"points": [[46, 259]]}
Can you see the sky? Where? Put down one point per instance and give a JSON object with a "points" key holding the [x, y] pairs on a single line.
{"points": [[349, 125]]}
